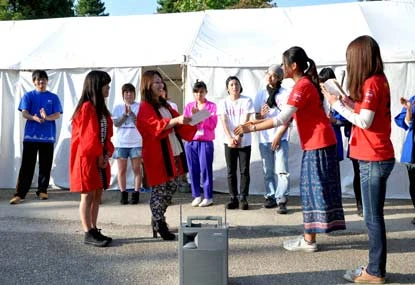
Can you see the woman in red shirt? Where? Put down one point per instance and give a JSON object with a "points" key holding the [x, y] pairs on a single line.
{"points": [[320, 176], [162, 129], [368, 109], [91, 148]]}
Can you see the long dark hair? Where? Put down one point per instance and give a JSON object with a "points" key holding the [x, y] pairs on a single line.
{"points": [[145, 89], [363, 61], [95, 80], [326, 74], [305, 64]]}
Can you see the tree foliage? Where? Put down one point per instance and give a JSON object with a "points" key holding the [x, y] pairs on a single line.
{"points": [[175, 6], [90, 8], [39, 9]]}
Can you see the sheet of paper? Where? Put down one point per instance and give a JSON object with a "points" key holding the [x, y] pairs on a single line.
{"points": [[334, 88], [199, 116]]}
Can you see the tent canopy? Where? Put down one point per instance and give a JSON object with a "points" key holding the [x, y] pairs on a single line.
{"points": [[226, 38]]}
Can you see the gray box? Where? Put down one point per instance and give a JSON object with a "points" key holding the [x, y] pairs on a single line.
{"points": [[203, 251]]}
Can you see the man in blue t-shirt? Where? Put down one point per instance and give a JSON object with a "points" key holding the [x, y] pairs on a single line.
{"points": [[40, 108]]}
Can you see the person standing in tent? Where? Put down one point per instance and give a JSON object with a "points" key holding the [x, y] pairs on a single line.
{"points": [[405, 120], [369, 112], [273, 143], [320, 188], [184, 184], [128, 142], [41, 109], [234, 110], [162, 129], [199, 151], [337, 122], [91, 148]]}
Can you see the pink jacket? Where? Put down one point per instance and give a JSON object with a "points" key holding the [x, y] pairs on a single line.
{"points": [[206, 128]]}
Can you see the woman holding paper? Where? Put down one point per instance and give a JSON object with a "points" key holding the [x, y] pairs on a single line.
{"points": [[320, 188], [199, 151], [162, 130], [370, 144]]}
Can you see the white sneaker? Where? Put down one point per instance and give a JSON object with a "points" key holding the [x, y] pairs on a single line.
{"points": [[206, 203], [196, 201], [299, 244]]}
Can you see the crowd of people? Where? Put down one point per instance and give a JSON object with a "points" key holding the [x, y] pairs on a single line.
{"points": [[169, 145]]}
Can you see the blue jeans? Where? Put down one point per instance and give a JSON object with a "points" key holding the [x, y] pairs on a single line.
{"points": [[275, 167], [373, 178]]}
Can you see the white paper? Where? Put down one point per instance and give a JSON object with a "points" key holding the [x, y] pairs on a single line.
{"points": [[199, 117], [334, 88]]}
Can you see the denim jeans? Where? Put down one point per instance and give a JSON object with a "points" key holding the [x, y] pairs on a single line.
{"points": [[232, 155], [373, 178], [275, 167]]}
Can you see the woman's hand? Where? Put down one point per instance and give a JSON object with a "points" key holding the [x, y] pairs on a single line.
{"points": [[182, 120], [245, 128], [276, 143], [195, 110], [331, 99], [405, 103], [264, 110]]}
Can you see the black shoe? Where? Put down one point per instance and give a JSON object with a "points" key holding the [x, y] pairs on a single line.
{"points": [[100, 236], [124, 198], [92, 238], [135, 197], [270, 203], [282, 208], [243, 205], [161, 227], [232, 204], [413, 221]]}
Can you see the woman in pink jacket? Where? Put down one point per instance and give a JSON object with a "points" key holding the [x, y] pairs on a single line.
{"points": [[199, 151]]}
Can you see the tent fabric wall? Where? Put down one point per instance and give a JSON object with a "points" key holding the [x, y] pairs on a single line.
{"points": [[210, 46]]}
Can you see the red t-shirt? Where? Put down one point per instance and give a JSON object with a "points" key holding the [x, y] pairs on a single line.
{"points": [[313, 125], [374, 144]]}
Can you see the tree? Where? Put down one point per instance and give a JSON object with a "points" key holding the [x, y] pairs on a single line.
{"points": [[40, 9], [174, 6], [90, 8]]}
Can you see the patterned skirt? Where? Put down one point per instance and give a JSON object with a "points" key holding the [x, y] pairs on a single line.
{"points": [[320, 190]]}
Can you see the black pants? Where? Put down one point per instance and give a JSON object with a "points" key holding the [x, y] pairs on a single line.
{"points": [[356, 182], [411, 175], [232, 155], [27, 168]]}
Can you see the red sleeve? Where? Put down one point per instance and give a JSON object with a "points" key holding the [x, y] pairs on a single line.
{"points": [[149, 124], [299, 94], [370, 94], [89, 130]]}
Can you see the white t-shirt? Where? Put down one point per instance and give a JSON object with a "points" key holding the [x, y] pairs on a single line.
{"points": [[236, 112], [266, 136], [127, 134]]}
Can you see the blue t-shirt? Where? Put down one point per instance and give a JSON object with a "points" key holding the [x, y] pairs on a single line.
{"points": [[32, 102]]}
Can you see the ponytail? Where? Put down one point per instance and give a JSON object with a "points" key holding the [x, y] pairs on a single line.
{"points": [[312, 74]]}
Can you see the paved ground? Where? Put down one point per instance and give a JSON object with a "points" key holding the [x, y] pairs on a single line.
{"points": [[41, 242]]}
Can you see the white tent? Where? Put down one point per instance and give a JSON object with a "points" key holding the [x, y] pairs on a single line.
{"points": [[207, 45]]}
